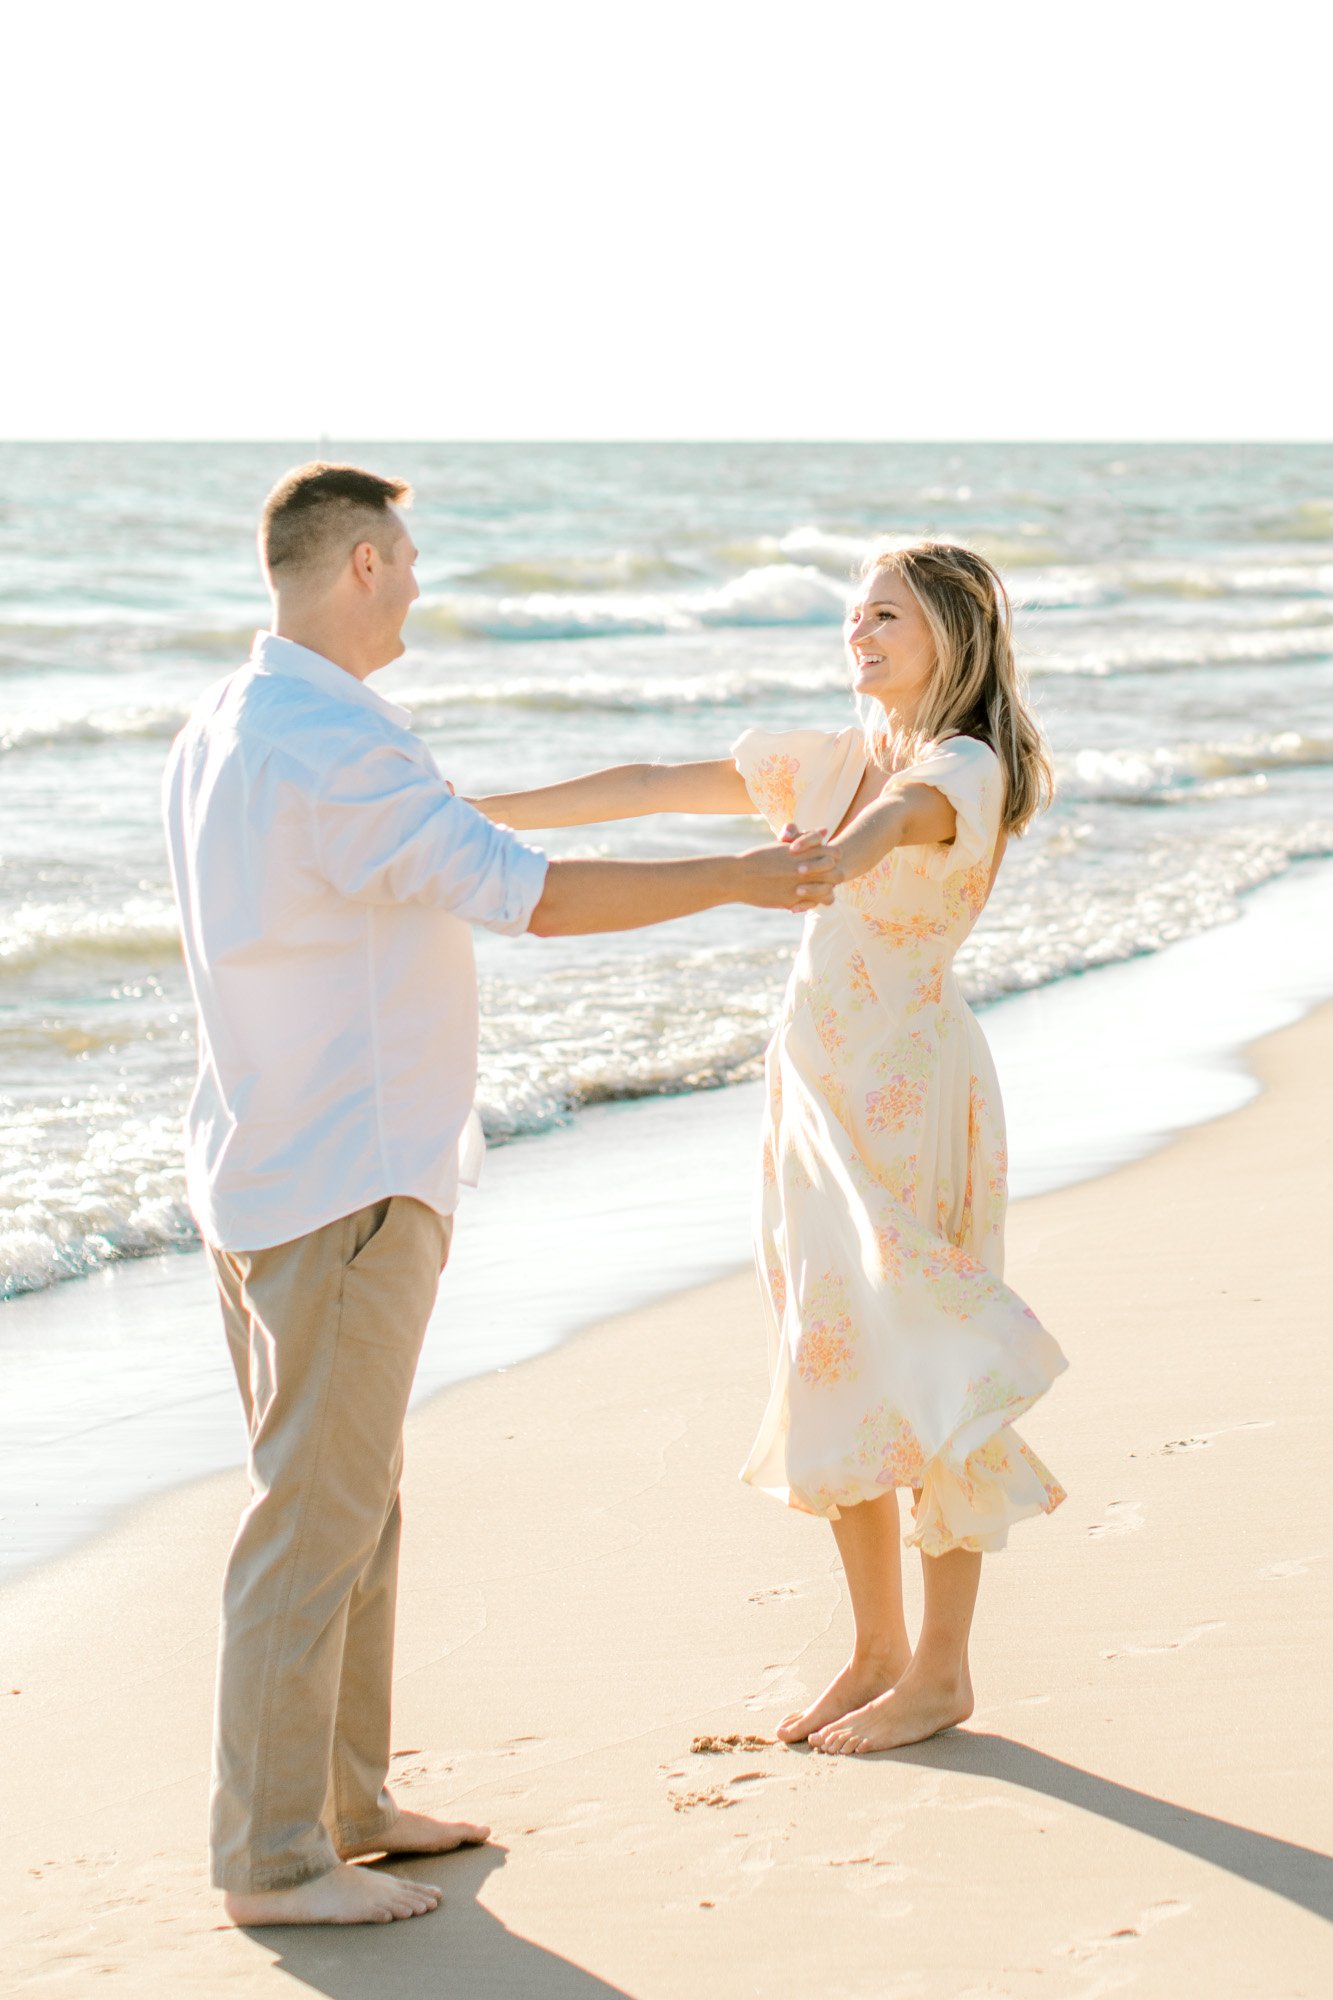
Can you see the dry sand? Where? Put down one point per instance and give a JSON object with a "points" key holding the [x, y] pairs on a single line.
{"points": [[592, 1606]]}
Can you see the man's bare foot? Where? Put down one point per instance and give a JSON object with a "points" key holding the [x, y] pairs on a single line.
{"points": [[344, 1896], [421, 1833], [919, 1706], [860, 1681]]}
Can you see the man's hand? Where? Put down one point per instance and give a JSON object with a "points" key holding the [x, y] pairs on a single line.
{"points": [[796, 873], [581, 897]]}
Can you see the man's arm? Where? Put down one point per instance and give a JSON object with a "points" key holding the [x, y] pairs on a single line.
{"points": [[585, 896], [388, 830]]}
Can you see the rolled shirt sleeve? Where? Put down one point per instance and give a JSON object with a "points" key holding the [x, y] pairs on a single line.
{"points": [[389, 830]]}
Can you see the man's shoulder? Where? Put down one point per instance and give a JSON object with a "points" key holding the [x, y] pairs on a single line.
{"points": [[286, 717]]}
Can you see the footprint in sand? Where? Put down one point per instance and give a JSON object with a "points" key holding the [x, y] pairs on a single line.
{"points": [[1121, 1518], [720, 1746], [1168, 1645], [1156, 1913], [1205, 1438], [1295, 1566]]}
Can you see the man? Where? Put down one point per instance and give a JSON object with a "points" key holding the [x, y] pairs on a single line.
{"points": [[326, 877]]}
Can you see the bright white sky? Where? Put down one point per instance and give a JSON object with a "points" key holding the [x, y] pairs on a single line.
{"points": [[732, 219]]}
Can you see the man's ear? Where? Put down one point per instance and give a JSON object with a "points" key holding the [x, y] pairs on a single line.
{"points": [[366, 562]]}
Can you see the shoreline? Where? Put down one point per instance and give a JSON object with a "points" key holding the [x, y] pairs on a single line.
{"points": [[114, 1387], [1121, 1817]]}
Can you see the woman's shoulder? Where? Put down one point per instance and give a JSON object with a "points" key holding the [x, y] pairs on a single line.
{"points": [[972, 744], [960, 759], [799, 774], [754, 744]]}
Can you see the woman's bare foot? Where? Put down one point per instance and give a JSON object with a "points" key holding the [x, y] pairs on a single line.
{"points": [[344, 1896], [421, 1833], [860, 1681], [921, 1705]]}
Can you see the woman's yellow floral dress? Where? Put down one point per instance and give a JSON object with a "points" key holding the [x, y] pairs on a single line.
{"points": [[900, 1357]]}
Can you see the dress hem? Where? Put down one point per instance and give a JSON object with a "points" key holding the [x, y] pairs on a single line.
{"points": [[942, 1490]]}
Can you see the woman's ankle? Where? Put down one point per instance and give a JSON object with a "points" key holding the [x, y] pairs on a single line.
{"points": [[940, 1665], [877, 1654]]}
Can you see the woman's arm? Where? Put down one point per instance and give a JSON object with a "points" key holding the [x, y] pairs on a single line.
{"points": [[626, 791], [912, 816]]}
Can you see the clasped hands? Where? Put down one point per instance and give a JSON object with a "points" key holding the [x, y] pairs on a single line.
{"points": [[818, 869]]}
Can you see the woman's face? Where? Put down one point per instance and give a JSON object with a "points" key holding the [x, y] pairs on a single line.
{"points": [[889, 641]]}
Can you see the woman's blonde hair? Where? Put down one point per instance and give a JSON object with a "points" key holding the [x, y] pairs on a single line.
{"points": [[975, 688]]}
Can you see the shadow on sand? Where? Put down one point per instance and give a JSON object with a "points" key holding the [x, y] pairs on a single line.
{"points": [[465, 1953], [461, 1952], [1302, 1875]]}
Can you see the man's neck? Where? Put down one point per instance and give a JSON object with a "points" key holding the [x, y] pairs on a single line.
{"points": [[326, 636]]}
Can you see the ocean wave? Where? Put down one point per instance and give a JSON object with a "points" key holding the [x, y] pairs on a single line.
{"points": [[616, 694], [1104, 585], [56, 1229], [51, 1248], [124, 627], [1162, 647], [1189, 771], [1308, 521], [776, 594], [91, 1180], [837, 555], [621, 570], [140, 928], [87, 1181], [1238, 578], [800, 579], [157, 725]]}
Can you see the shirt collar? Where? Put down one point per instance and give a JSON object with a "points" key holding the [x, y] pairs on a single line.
{"points": [[283, 656]]}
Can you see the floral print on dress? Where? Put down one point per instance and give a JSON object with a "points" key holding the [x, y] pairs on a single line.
{"points": [[905, 931], [897, 1344], [928, 990], [1052, 1488], [827, 1019], [896, 1248], [836, 1097], [774, 788], [859, 983], [825, 1347], [963, 1287], [888, 1450], [796, 1176], [906, 1074], [988, 1393]]}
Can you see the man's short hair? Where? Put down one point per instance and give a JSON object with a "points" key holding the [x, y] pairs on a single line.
{"points": [[317, 513]]}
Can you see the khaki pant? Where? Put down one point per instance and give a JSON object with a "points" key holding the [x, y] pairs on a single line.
{"points": [[325, 1332]]}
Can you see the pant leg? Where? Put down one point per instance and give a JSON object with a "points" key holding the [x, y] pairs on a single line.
{"points": [[334, 1322], [236, 1326], [359, 1806]]}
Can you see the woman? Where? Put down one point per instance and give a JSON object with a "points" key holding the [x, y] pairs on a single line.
{"points": [[900, 1358]]}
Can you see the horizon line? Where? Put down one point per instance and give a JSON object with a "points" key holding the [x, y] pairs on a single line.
{"points": [[332, 437]]}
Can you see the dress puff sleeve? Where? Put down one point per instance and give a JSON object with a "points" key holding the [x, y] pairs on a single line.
{"points": [[803, 775], [971, 778]]}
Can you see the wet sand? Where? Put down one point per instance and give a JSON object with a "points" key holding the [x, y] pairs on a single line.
{"points": [[1139, 1805]]}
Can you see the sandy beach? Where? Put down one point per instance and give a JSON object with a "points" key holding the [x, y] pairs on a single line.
{"points": [[1139, 1805]]}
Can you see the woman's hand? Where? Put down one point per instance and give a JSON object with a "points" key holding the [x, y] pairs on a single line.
{"points": [[906, 816], [796, 873]]}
